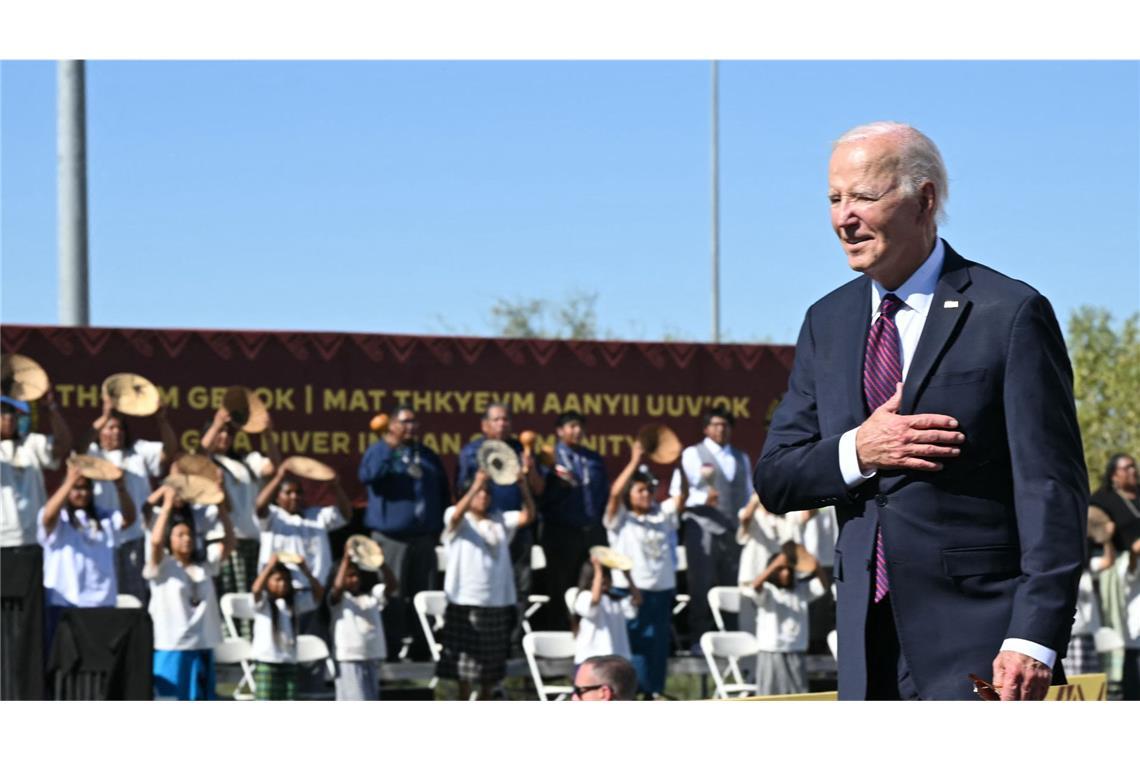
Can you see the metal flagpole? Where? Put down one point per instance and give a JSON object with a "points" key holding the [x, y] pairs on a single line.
{"points": [[72, 167], [715, 208]]}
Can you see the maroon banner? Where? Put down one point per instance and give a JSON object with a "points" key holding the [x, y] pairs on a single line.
{"points": [[322, 389]]}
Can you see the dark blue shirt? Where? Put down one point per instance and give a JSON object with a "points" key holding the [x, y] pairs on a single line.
{"points": [[398, 504], [582, 502], [503, 498]]}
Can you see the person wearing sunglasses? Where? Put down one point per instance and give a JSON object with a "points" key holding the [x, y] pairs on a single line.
{"points": [[605, 678]]}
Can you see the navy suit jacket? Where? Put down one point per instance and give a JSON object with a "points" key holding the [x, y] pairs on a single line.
{"points": [[992, 546]]}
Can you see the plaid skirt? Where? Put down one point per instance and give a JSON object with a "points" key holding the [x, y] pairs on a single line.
{"points": [[1082, 656], [238, 574], [275, 680], [476, 642]]}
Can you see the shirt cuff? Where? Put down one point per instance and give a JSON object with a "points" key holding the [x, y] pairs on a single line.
{"points": [[849, 461], [1036, 651]]}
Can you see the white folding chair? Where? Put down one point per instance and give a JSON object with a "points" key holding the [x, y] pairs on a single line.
{"points": [[236, 606], [433, 604], [314, 649], [569, 597], [127, 602], [235, 650], [681, 601], [548, 645], [535, 601], [725, 599], [729, 645]]}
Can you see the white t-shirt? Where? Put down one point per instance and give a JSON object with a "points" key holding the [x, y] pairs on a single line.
{"points": [[306, 534], [648, 540], [601, 629], [242, 484], [782, 614], [358, 632], [762, 540], [479, 572], [820, 534], [139, 463], [79, 565], [183, 606], [22, 492], [283, 646]]}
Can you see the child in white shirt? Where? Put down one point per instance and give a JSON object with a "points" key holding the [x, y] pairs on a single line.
{"points": [[480, 586], [781, 603], [358, 632], [277, 607], [183, 605], [646, 532], [602, 615]]}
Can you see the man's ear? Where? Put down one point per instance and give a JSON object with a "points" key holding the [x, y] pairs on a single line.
{"points": [[926, 198]]}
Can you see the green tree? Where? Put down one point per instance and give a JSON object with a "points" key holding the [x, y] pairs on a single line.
{"points": [[576, 318], [1106, 384]]}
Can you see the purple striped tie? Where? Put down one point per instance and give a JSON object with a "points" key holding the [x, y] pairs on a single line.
{"points": [[882, 369]]}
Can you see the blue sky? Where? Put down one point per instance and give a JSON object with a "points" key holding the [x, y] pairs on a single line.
{"points": [[408, 196]]}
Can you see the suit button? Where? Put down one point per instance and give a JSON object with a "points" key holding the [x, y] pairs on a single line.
{"points": [[881, 500]]}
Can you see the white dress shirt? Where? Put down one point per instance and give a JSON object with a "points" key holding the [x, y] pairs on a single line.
{"points": [[916, 294]]}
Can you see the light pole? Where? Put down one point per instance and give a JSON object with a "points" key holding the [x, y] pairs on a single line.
{"points": [[71, 144], [715, 208]]}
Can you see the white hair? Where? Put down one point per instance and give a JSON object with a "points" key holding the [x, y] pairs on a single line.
{"points": [[919, 159]]}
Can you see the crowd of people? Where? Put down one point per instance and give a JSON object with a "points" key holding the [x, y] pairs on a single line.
{"points": [[139, 535]]}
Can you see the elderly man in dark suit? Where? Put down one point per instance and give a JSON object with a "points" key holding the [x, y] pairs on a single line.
{"points": [[931, 401]]}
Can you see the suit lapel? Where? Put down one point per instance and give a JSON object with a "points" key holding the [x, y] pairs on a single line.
{"points": [[941, 322]]}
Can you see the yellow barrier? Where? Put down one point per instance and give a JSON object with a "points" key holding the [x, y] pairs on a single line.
{"points": [[1091, 687]]}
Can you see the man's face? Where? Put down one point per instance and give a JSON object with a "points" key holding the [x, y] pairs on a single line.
{"points": [[496, 423], [719, 431], [590, 689], [883, 231], [570, 433], [1125, 476], [404, 426], [7, 423]]}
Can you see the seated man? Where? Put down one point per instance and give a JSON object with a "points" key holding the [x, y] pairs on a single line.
{"points": [[605, 678]]}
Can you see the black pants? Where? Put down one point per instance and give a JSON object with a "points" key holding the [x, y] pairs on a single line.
{"points": [[567, 549], [1130, 685], [414, 564], [714, 560], [888, 675]]}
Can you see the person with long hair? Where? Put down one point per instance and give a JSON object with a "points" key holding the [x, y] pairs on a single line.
{"points": [[600, 614], [1117, 496], [646, 532], [140, 460], [242, 475], [480, 587], [183, 604], [79, 546], [356, 601], [277, 606]]}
